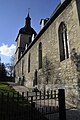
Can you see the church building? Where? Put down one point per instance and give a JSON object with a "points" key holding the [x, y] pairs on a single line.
{"points": [[51, 58]]}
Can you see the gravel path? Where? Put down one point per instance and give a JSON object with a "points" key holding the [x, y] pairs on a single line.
{"points": [[18, 88]]}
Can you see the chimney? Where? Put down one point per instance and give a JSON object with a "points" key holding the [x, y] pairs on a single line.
{"points": [[62, 1], [43, 22]]}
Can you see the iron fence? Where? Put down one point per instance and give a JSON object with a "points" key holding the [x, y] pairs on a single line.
{"points": [[32, 105]]}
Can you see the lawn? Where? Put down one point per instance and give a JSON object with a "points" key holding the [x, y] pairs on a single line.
{"points": [[14, 106], [10, 101], [7, 91], [5, 87], [8, 94]]}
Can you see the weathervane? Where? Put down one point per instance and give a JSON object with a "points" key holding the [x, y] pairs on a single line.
{"points": [[28, 10]]}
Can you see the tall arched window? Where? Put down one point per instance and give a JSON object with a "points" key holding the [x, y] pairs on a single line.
{"points": [[29, 63], [35, 78], [40, 55], [22, 67], [63, 43]]}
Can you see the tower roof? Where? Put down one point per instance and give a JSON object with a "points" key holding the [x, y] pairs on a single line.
{"points": [[27, 29], [28, 17]]}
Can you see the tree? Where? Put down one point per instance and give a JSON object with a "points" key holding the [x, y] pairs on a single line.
{"points": [[12, 59], [50, 75], [10, 67], [47, 69], [2, 70], [46, 74]]}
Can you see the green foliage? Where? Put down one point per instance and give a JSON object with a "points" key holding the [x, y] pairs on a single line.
{"points": [[47, 71], [2, 70], [4, 87], [9, 68]]}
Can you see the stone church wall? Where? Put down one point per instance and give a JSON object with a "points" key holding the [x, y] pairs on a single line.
{"points": [[59, 74], [50, 48]]}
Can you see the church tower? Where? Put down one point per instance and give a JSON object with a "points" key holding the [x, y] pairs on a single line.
{"points": [[24, 38]]}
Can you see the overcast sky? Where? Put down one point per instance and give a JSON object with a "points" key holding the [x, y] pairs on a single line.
{"points": [[12, 18]]}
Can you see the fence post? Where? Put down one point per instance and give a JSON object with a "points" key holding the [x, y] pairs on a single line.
{"points": [[27, 96], [55, 99], [32, 103], [22, 96], [62, 110], [17, 98], [13, 97], [7, 97], [2, 97]]}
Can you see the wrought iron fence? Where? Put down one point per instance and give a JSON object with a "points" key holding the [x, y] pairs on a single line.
{"points": [[32, 105]]}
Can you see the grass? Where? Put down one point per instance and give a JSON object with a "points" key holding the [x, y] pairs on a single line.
{"points": [[18, 109], [5, 87], [8, 94]]}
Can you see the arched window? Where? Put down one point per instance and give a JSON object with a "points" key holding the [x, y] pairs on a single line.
{"points": [[29, 63], [35, 78], [63, 43], [40, 55], [22, 67]]}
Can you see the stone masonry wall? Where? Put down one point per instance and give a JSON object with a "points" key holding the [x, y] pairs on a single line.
{"points": [[61, 74]]}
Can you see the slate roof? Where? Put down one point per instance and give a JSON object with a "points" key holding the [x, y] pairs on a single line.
{"points": [[28, 31]]}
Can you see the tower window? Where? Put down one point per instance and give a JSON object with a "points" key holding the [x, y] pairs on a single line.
{"points": [[29, 63], [40, 55], [22, 67], [63, 43]]}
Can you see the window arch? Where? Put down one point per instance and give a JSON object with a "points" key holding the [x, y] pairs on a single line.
{"points": [[40, 55], [29, 63], [63, 43]]}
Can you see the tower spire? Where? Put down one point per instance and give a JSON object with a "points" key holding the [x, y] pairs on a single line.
{"points": [[28, 10], [28, 19]]}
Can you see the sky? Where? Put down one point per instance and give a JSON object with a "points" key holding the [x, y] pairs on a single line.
{"points": [[12, 18]]}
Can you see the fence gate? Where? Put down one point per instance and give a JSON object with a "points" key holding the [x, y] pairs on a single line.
{"points": [[51, 103]]}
